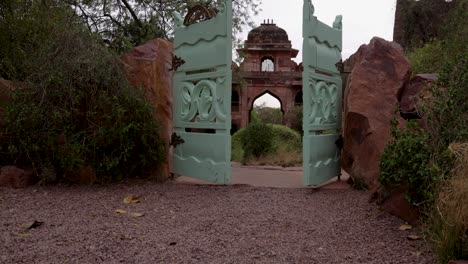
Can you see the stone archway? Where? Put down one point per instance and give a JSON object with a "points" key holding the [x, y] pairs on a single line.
{"points": [[252, 105]]}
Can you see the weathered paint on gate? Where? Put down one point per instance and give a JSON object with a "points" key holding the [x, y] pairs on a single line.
{"points": [[202, 97], [322, 91]]}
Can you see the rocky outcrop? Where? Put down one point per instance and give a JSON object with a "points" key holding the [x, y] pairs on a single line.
{"points": [[415, 94], [397, 205], [11, 176], [148, 67], [379, 75]]}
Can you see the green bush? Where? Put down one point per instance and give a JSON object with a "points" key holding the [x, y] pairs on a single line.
{"points": [[296, 119], [286, 148], [284, 135], [267, 115], [406, 162], [444, 47], [237, 152], [257, 140], [421, 161], [77, 108]]}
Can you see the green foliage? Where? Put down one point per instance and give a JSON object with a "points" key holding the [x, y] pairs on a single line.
{"points": [[283, 135], [123, 24], [286, 148], [420, 160], [26, 28], [254, 117], [448, 117], [296, 120], [267, 115], [406, 162], [237, 151], [257, 140], [447, 40], [77, 108]]}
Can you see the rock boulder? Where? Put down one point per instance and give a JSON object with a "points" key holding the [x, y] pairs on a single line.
{"points": [[380, 72], [415, 94], [11, 176], [148, 66]]}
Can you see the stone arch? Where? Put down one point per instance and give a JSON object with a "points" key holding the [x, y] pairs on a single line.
{"points": [[267, 64], [272, 93]]}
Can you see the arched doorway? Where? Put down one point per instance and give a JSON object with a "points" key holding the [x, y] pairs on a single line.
{"points": [[268, 64], [267, 108]]}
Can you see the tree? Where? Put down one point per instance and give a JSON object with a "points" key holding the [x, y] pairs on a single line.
{"points": [[123, 24]]}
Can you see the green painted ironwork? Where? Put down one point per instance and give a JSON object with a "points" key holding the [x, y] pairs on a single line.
{"points": [[322, 91], [202, 97]]}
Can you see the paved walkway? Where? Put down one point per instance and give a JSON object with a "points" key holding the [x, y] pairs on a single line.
{"points": [[270, 176]]}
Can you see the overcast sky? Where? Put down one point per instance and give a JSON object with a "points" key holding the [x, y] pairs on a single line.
{"points": [[362, 19]]}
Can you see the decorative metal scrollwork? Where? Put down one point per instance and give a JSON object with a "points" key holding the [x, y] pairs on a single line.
{"points": [[323, 102], [200, 102], [176, 63], [199, 13]]}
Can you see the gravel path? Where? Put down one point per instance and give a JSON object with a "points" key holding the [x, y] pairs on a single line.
{"points": [[200, 224]]}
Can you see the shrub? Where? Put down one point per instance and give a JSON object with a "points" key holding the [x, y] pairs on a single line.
{"points": [[446, 44], [286, 148], [296, 119], [236, 144], [257, 140], [406, 162], [77, 108], [267, 115]]}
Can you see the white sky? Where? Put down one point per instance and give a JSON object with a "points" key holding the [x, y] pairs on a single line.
{"points": [[362, 20]]}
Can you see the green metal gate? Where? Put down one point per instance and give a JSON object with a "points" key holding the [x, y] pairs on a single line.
{"points": [[202, 94], [322, 91]]}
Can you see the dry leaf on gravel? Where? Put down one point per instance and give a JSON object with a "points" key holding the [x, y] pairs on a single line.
{"points": [[120, 211], [24, 234], [132, 199], [137, 214], [414, 237], [405, 227], [33, 224]]}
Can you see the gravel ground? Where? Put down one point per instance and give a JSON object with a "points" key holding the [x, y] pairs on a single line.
{"points": [[200, 224]]}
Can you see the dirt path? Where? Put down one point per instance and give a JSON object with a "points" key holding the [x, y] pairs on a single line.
{"points": [[200, 224]]}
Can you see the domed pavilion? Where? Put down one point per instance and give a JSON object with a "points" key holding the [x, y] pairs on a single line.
{"points": [[267, 67]]}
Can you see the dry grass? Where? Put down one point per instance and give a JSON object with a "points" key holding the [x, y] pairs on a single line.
{"points": [[450, 226]]}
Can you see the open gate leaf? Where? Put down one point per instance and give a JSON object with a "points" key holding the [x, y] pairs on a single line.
{"points": [[132, 199]]}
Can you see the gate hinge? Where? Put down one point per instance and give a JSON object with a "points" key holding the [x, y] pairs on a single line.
{"points": [[340, 66], [176, 140], [176, 62]]}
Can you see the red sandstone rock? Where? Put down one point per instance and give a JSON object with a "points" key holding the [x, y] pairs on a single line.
{"points": [[397, 205], [375, 84], [11, 176], [148, 67], [415, 92]]}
